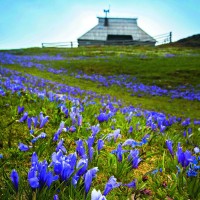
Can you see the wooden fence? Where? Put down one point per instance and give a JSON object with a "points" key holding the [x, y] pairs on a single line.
{"points": [[163, 38], [60, 44]]}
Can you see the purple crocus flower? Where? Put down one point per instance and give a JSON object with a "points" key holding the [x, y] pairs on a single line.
{"points": [[79, 120], [145, 139], [134, 158], [51, 96], [196, 122], [65, 111], [116, 134], [129, 117], [180, 154], [23, 147], [111, 184], [162, 128], [153, 126], [119, 152], [131, 184], [102, 117], [90, 141], [20, 109], [35, 121], [55, 197], [57, 168], [73, 117], [82, 166], [80, 149], [42, 173], [170, 147], [44, 121], [34, 160], [60, 146], [75, 180], [33, 179], [128, 142], [59, 131], [95, 130], [130, 129], [186, 122], [196, 150], [96, 195], [72, 158], [42, 135], [184, 133], [39, 176], [184, 158], [24, 117], [72, 129], [192, 173], [189, 131], [100, 144], [91, 153], [15, 179], [56, 156], [29, 120], [67, 172], [49, 178], [89, 175]]}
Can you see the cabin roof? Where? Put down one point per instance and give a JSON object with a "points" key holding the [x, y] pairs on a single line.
{"points": [[116, 26]]}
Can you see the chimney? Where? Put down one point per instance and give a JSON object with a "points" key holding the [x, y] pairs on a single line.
{"points": [[106, 21]]}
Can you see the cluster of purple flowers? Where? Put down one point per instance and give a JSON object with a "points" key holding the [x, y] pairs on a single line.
{"points": [[17, 83], [68, 168], [129, 82], [64, 167], [133, 156], [33, 123], [26, 60], [185, 159], [122, 80]]}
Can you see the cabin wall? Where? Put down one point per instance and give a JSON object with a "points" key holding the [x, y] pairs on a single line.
{"points": [[114, 42]]}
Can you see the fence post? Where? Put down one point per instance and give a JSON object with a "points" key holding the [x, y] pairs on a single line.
{"points": [[170, 37]]}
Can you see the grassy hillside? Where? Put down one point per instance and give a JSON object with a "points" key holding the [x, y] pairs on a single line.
{"points": [[100, 123], [191, 41]]}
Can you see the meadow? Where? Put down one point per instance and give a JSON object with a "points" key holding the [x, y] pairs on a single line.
{"points": [[100, 123]]}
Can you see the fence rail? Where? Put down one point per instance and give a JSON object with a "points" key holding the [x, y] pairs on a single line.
{"points": [[163, 38], [60, 44], [160, 39]]}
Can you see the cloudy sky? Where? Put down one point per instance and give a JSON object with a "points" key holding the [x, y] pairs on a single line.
{"points": [[28, 23]]}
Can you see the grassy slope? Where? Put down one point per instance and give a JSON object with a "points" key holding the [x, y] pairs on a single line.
{"points": [[191, 41], [149, 65], [154, 154]]}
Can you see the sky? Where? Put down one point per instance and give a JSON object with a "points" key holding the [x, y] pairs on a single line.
{"points": [[28, 23]]}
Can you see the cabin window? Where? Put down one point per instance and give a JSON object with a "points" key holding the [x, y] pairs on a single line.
{"points": [[119, 37]]}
